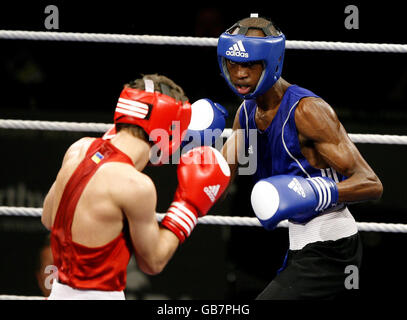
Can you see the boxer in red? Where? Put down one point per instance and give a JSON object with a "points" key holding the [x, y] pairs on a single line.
{"points": [[101, 207]]}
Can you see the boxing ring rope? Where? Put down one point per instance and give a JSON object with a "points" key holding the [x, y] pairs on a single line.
{"points": [[192, 41], [103, 127], [186, 41], [222, 220], [12, 297]]}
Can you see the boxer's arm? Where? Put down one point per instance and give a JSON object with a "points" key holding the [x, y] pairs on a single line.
{"points": [[233, 146], [153, 245], [318, 123]]}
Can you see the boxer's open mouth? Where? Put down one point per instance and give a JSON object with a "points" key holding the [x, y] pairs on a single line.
{"points": [[242, 89]]}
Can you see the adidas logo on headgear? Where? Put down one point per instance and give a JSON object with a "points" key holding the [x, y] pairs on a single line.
{"points": [[237, 50]]}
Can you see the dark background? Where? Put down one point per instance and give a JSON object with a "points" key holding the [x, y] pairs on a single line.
{"points": [[73, 81]]}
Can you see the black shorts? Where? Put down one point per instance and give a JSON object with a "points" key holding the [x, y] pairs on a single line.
{"points": [[317, 271]]}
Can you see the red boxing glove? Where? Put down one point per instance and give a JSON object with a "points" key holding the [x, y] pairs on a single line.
{"points": [[203, 175]]}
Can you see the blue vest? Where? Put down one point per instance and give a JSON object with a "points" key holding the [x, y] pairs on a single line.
{"points": [[278, 149]]}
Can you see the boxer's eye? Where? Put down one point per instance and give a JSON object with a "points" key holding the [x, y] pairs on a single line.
{"points": [[251, 63], [230, 62], [248, 64]]}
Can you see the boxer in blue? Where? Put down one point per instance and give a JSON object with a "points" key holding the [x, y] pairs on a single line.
{"points": [[308, 170]]}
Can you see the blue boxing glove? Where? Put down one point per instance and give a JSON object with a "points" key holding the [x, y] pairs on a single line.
{"points": [[292, 197], [208, 120]]}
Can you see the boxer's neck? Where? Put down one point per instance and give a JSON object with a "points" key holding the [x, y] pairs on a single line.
{"points": [[135, 148]]}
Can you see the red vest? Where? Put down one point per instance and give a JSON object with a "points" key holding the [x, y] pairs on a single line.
{"points": [[100, 268]]}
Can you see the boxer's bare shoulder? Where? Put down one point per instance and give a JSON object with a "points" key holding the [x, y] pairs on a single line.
{"points": [[125, 180]]}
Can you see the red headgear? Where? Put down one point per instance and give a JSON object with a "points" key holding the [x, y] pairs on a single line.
{"points": [[153, 110]]}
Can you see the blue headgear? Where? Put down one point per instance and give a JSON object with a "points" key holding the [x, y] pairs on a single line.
{"points": [[240, 48]]}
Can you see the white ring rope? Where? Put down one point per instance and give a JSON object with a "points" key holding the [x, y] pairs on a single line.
{"points": [[378, 138], [107, 37], [12, 297], [192, 41], [103, 127], [221, 220], [54, 125]]}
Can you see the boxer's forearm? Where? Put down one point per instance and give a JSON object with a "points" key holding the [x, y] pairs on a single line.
{"points": [[166, 245], [359, 188]]}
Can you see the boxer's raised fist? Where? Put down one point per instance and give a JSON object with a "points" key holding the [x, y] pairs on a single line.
{"points": [[203, 175]]}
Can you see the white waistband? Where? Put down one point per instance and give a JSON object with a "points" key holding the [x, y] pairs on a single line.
{"points": [[61, 291], [330, 226]]}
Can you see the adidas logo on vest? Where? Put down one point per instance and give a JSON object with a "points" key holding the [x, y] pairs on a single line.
{"points": [[237, 50], [212, 192], [296, 186]]}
